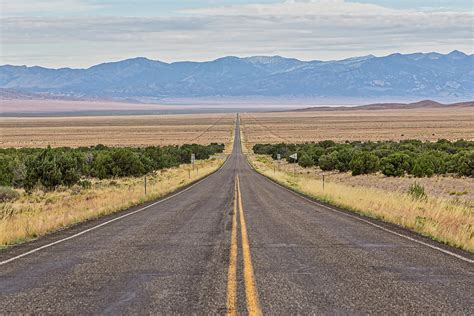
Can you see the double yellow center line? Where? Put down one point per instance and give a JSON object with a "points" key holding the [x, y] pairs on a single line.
{"points": [[251, 294]]}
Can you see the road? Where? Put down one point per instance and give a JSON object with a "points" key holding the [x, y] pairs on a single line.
{"points": [[234, 243]]}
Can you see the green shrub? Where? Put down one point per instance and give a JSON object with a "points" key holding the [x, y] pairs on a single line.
{"points": [[85, 184], [395, 165], [102, 165], [53, 167], [316, 152], [462, 164], [12, 170], [126, 163], [424, 166], [19, 173], [6, 170], [343, 159], [417, 191], [306, 161], [328, 162], [396, 158], [326, 144], [364, 163], [8, 194], [42, 169]]}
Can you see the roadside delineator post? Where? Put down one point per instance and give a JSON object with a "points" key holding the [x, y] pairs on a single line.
{"points": [[323, 182], [278, 162], [145, 184], [295, 158]]}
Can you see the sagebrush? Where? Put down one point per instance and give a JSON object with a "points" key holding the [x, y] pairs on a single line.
{"points": [[414, 157], [54, 167]]}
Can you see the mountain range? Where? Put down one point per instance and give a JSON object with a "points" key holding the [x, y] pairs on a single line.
{"points": [[419, 75]]}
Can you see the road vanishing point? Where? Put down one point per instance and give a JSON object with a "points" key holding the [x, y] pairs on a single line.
{"points": [[234, 243]]}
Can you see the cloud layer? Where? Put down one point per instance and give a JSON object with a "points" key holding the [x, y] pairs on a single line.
{"points": [[324, 29]]}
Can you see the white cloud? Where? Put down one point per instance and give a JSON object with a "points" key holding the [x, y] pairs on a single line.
{"points": [[23, 7], [293, 8], [322, 29]]}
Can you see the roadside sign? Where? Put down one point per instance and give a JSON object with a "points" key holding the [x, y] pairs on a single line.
{"points": [[294, 156], [193, 158], [278, 156]]}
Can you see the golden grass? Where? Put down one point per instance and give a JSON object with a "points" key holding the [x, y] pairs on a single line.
{"points": [[442, 186], [116, 130], [298, 127], [447, 221], [41, 213]]}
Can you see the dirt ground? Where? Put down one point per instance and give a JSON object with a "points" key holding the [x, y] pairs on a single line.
{"points": [[298, 127], [116, 130]]}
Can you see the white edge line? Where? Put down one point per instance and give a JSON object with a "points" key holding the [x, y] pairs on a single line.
{"points": [[364, 220], [110, 221]]}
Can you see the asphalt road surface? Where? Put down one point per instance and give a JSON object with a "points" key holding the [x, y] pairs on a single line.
{"points": [[234, 243]]}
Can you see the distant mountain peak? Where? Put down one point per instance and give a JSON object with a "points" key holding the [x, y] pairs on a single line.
{"points": [[267, 59], [395, 55], [130, 61], [456, 54], [225, 58], [426, 103], [142, 60]]}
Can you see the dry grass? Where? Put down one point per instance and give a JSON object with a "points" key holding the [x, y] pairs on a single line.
{"points": [[41, 213], [450, 221], [116, 130], [298, 127], [447, 187]]}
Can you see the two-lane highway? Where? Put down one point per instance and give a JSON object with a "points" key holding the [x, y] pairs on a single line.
{"points": [[236, 243]]}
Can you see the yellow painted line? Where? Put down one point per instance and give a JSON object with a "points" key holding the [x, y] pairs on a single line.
{"points": [[232, 273], [251, 294]]}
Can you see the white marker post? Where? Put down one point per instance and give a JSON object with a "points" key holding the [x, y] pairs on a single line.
{"points": [[193, 158], [295, 158]]}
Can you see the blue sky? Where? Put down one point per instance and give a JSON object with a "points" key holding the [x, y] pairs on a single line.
{"points": [[80, 33]]}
